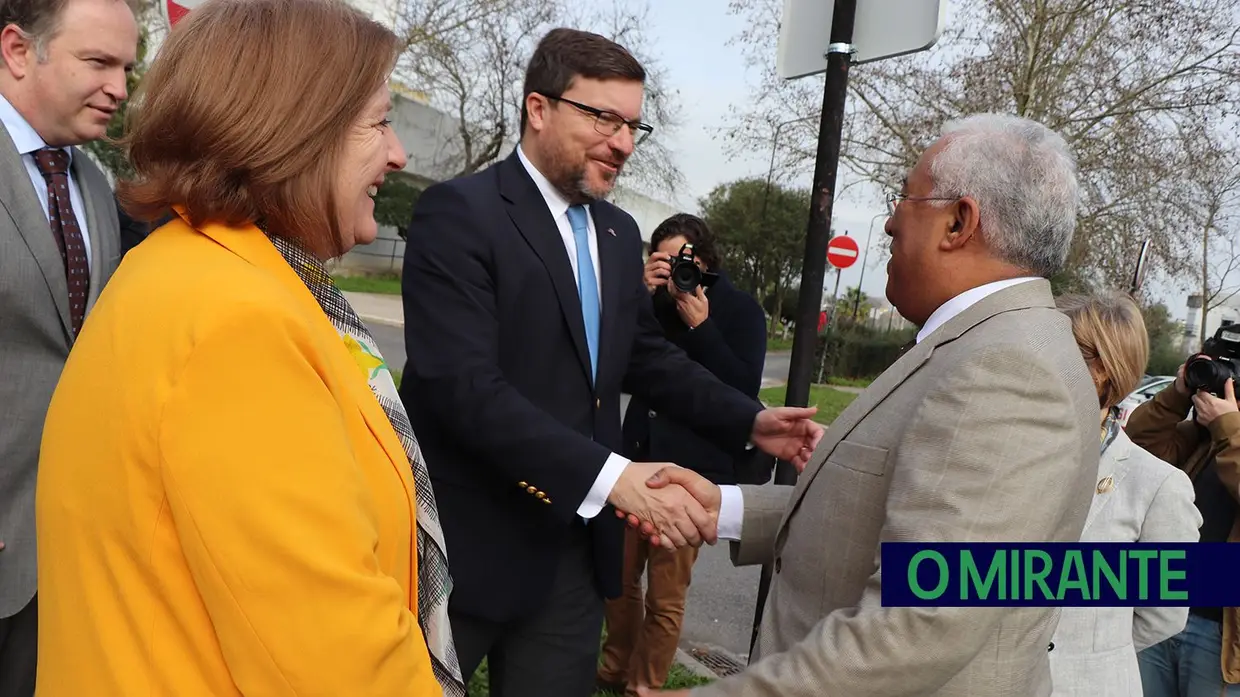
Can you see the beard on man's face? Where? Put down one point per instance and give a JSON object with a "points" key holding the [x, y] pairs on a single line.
{"points": [[570, 178]]}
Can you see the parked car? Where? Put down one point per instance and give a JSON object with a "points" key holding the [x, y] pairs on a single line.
{"points": [[1150, 385]]}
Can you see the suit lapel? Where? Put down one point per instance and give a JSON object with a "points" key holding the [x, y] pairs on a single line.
{"points": [[611, 268], [1112, 467], [251, 244], [1019, 297], [528, 211], [22, 205], [98, 226], [884, 385]]}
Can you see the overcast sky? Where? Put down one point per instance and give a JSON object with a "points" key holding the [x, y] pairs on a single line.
{"points": [[691, 37]]}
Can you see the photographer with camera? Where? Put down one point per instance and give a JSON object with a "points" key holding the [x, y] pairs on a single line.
{"points": [[1204, 659], [724, 330]]}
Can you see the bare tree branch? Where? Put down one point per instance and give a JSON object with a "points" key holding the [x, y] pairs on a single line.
{"points": [[1118, 78]]}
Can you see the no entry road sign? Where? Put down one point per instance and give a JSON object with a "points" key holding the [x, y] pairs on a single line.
{"points": [[842, 251], [175, 10]]}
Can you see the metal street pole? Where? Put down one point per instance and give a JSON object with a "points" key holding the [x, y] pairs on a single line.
{"points": [[817, 233], [864, 260]]}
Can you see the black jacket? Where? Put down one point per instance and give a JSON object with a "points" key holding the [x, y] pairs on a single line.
{"points": [[498, 387], [731, 343]]}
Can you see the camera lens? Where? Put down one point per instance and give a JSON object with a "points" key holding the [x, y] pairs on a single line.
{"points": [[1205, 374], [686, 276]]}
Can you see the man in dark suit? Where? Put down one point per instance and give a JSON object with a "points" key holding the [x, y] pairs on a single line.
{"points": [[525, 314], [62, 74], [723, 329]]}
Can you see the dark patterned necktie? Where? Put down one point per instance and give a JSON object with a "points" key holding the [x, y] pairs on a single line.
{"points": [[54, 165]]}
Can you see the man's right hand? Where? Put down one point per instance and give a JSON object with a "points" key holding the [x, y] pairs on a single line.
{"points": [[658, 271], [706, 493], [675, 514]]}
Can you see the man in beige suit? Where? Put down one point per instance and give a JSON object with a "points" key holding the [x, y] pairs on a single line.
{"points": [[985, 430]]}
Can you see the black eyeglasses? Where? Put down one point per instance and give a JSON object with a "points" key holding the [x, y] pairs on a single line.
{"points": [[608, 123]]}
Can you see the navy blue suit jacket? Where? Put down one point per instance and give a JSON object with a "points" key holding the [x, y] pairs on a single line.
{"points": [[498, 384]]}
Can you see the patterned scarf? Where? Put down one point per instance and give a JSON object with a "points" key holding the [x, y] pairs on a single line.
{"points": [[434, 583], [1110, 428]]}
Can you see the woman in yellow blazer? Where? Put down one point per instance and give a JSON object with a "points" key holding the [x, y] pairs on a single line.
{"points": [[230, 499]]}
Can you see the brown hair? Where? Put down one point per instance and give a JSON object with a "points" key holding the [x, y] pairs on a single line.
{"points": [[695, 232], [241, 117], [1111, 334], [40, 19], [565, 54]]}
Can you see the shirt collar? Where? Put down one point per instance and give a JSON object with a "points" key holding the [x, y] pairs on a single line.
{"points": [[24, 136], [964, 301], [555, 200]]}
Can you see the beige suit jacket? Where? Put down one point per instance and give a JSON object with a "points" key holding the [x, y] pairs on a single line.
{"points": [[987, 430]]}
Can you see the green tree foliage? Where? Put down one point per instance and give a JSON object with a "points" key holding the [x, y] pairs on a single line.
{"points": [[1166, 353], [395, 200], [761, 235]]}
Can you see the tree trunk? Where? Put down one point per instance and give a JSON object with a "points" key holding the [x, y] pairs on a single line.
{"points": [[779, 308], [1205, 281]]}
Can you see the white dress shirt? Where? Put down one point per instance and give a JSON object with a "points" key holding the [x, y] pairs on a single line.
{"points": [[732, 505], [28, 142], [596, 498]]}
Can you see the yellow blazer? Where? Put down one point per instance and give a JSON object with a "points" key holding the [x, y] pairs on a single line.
{"points": [[223, 507]]}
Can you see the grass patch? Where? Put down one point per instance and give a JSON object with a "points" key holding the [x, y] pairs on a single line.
{"points": [[830, 402], [775, 344], [678, 678], [850, 382], [385, 284]]}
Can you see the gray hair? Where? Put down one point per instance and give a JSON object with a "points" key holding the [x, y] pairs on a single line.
{"points": [[1023, 177]]}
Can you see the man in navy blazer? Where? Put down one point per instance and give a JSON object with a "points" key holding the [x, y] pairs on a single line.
{"points": [[525, 317]]}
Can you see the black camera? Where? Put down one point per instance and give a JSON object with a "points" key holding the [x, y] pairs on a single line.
{"points": [[686, 275], [1217, 362]]}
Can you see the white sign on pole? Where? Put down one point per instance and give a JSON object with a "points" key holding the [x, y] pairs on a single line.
{"points": [[883, 29]]}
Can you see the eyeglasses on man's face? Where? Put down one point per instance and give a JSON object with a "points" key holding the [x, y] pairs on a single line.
{"points": [[608, 123], [894, 200]]}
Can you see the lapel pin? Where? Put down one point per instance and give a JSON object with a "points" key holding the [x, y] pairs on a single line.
{"points": [[1105, 485], [611, 232]]}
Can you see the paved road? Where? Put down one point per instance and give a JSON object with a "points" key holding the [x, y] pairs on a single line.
{"points": [[719, 611], [391, 342]]}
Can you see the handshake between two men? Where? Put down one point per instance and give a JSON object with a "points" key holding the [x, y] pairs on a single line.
{"points": [[676, 507]]}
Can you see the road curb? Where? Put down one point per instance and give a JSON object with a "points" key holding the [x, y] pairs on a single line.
{"points": [[381, 320]]}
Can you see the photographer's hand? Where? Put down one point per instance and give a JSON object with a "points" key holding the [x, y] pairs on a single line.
{"points": [[1210, 407], [1180, 385], [693, 307], [658, 271]]}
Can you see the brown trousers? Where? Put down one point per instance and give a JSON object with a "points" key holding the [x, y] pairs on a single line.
{"points": [[642, 634]]}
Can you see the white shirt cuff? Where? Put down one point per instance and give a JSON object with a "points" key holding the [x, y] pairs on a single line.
{"points": [[731, 512], [603, 484]]}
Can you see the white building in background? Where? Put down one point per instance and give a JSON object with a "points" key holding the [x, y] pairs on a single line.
{"points": [[1228, 311]]}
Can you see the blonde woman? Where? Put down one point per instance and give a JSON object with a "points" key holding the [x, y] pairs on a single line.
{"points": [[1138, 498]]}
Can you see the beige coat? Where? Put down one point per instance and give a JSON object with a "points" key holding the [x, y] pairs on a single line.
{"points": [[987, 430]]}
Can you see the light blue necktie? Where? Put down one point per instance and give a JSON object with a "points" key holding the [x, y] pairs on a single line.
{"points": [[587, 283]]}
